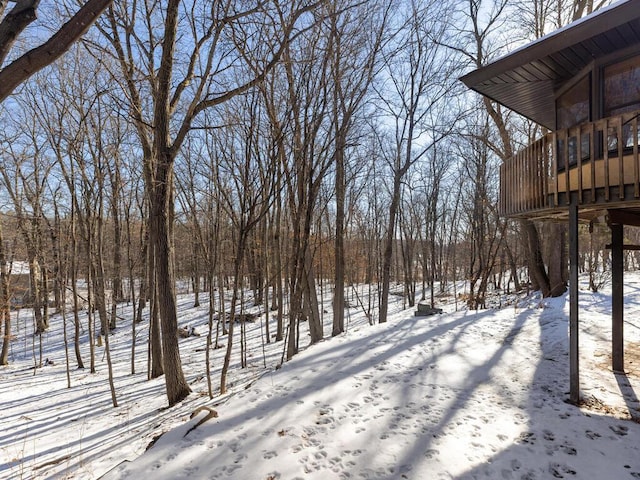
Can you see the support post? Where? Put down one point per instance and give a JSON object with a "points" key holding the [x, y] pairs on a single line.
{"points": [[574, 374], [617, 297]]}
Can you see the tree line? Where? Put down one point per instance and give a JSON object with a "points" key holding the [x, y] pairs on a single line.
{"points": [[269, 148]]}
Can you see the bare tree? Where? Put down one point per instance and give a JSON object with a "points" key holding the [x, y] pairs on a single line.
{"points": [[64, 119], [356, 35], [299, 116], [429, 183], [481, 47], [246, 183], [201, 202], [484, 229], [420, 79], [24, 177], [174, 93]]}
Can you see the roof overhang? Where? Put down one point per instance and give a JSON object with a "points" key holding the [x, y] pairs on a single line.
{"points": [[527, 79]]}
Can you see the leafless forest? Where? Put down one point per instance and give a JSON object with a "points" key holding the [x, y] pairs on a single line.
{"points": [[262, 149]]}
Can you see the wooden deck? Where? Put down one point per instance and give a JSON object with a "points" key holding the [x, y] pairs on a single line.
{"points": [[603, 170]]}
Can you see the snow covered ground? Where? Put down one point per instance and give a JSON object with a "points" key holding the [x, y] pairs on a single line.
{"points": [[460, 395]]}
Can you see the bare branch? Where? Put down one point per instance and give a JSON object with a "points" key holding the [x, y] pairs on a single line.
{"points": [[23, 67], [14, 23]]}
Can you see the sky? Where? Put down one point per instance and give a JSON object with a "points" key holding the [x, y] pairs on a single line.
{"points": [[462, 395]]}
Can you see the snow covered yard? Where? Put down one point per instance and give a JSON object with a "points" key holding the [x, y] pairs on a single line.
{"points": [[461, 395]]}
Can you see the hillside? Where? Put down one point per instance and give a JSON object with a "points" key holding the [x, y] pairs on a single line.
{"points": [[460, 395]]}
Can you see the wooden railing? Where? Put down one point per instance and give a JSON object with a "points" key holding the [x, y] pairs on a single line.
{"points": [[595, 162]]}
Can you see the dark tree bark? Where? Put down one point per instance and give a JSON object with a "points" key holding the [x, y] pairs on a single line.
{"points": [[160, 237], [5, 313], [556, 255], [339, 259], [536, 264], [74, 288], [14, 23], [162, 216], [390, 235], [116, 188]]}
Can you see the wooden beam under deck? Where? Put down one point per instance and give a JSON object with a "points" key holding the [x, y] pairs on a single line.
{"points": [[627, 216], [574, 357], [617, 298]]}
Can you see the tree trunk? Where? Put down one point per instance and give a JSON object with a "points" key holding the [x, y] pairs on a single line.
{"points": [[90, 305], [557, 259], [388, 249], [339, 259], [534, 257], [295, 308], [74, 289], [143, 292], [513, 267], [267, 273], [232, 312], [118, 294], [210, 318], [160, 237], [311, 300], [5, 313], [156, 366], [100, 302], [35, 296], [196, 273], [278, 293]]}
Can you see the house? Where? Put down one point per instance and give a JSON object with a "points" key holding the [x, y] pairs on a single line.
{"points": [[582, 83], [19, 284]]}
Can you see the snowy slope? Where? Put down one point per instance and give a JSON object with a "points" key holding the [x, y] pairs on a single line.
{"points": [[460, 395]]}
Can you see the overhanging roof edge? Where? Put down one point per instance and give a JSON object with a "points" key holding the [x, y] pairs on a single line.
{"points": [[603, 20]]}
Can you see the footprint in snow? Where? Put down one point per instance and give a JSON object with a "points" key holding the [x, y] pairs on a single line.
{"points": [[559, 471], [239, 458], [432, 452], [619, 430], [527, 437], [229, 469], [592, 435], [191, 472], [324, 420], [172, 456]]}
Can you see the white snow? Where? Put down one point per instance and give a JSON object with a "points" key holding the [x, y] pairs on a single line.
{"points": [[464, 395]]}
